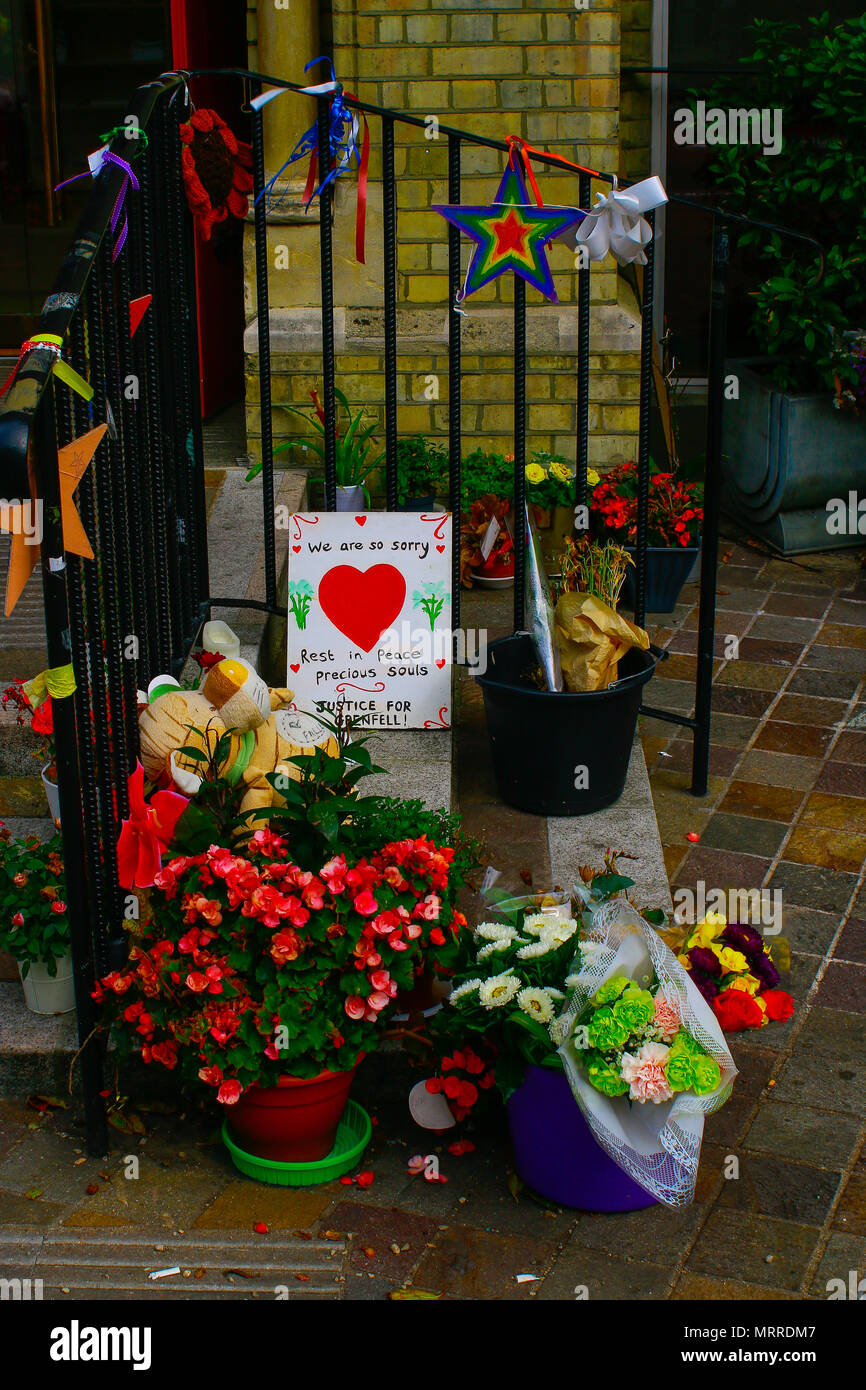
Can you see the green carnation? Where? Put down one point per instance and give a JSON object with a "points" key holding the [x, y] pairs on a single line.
{"points": [[706, 1075], [685, 1044], [606, 1032], [604, 1076], [635, 1009], [609, 991], [679, 1071]]}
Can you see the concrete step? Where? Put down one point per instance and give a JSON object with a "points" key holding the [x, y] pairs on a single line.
{"points": [[113, 1264]]}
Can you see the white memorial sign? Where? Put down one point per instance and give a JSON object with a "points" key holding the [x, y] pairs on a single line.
{"points": [[369, 623]]}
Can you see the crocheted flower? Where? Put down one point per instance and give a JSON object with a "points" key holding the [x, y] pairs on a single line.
{"points": [[216, 170]]}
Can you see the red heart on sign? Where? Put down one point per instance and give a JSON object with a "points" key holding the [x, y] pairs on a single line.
{"points": [[297, 549], [361, 520], [294, 666], [441, 663], [362, 604], [440, 548]]}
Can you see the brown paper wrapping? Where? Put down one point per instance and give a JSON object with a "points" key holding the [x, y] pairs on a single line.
{"points": [[591, 638]]}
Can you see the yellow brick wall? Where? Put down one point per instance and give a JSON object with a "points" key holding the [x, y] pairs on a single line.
{"points": [[546, 71]]}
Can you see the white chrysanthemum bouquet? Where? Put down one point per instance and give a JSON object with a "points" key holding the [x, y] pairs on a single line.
{"points": [[512, 991]]}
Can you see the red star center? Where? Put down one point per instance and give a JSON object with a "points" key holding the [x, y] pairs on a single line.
{"points": [[510, 236]]}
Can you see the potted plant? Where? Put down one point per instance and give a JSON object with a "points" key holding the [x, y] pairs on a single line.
{"points": [[42, 724], [787, 451], [674, 520], [486, 545], [508, 993], [550, 490], [485, 474], [354, 463], [422, 471], [34, 923], [561, 704], [269, 963]]}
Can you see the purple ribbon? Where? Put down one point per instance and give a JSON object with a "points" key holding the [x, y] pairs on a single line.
{"points": [[118, 209]]}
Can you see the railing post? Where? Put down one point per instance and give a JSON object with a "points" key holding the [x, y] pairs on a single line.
{"points": [[57, 638], [583, 311], [646, 359], [519, 450], [712, 505], [389, 210], [329, 365], [263, 311], [455, 435]]}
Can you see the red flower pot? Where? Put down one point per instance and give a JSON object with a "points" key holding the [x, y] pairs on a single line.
{"points": [[294, 1122]]}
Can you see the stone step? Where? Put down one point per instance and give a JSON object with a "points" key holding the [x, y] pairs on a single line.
{"points": [[114, 1264]]}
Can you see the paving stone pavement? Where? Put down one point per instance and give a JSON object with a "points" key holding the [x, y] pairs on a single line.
{"points": [[781, 1199]]}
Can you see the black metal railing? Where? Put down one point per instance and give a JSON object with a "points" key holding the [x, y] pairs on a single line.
{"points": [[136, 610]]}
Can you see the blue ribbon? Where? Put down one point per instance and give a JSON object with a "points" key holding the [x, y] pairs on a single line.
{"points": [[343, 125]]}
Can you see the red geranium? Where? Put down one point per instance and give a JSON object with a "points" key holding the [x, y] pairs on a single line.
{"points": [[674, 514]]}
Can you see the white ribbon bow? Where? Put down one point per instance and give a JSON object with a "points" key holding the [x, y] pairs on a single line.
{"points": [[616, 225]]}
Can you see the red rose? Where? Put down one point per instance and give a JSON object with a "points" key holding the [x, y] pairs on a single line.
{"points": [[779, 1004], [735, 1010]]}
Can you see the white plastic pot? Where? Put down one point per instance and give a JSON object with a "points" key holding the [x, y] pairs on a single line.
{"points": [[46, 995], [351, 499], [52, 794]]}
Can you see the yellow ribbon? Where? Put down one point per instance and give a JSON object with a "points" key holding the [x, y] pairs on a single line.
{"points": [[56, 681], [61, 369]]}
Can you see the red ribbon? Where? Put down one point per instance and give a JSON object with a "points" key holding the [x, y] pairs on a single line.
{"points": [[146, 832], [518, 148], [361, 205]]}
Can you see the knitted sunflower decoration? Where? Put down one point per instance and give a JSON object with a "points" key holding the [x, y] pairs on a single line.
{"points": [[216, 169]]}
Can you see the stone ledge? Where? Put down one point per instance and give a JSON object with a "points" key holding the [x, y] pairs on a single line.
{"points": [[550, 329], [630, 825]]}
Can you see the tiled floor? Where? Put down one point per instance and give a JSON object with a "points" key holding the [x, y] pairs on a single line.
{"points": [[781, 1200]]}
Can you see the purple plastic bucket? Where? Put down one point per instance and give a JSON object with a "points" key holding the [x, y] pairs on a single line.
{"points": [[555, 1153]]}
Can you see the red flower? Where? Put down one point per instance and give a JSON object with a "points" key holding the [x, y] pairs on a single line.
{"points": [[18, 920], [355, 1006], [735, 1010], [216, 170], [365, 904], [779, 1004], [43, 718], [229, 1093], [437, 936], [208, 659]]}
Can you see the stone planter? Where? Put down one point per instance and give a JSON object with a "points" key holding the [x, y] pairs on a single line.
{"points": [[785, 456]]}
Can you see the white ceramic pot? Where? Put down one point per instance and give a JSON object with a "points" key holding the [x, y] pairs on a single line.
{"points": [[46, 995], [52, 794], [351, 499]]}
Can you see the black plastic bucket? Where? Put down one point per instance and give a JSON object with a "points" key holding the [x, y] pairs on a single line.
{"points": [[558, 754], [667, 569]]}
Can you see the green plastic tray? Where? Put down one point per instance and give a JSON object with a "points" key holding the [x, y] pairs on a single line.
{"points": [[353, 1136]]}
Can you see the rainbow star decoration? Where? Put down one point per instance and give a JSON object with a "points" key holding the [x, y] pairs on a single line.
{"points": [[511, 234]]}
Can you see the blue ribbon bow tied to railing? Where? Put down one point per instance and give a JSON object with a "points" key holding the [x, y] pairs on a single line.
{"points": [[344, 129], [97, 162]]}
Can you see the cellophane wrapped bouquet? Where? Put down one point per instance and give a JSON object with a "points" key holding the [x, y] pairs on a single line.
{"points": [[643, 1051]]}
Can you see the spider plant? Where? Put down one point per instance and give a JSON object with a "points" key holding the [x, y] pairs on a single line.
{"points": [[353, 461]]}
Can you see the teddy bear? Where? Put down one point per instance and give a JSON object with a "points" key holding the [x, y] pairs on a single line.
{"points": [[264, 730]]}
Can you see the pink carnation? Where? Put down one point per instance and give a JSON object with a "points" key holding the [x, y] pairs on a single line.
{"points": [[645, 1075], [666, 1018]]}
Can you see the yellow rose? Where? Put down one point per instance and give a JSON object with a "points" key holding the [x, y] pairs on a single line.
{"points": [[560, 472], [747, 983], [535, 473], [730, 960], [591, 477]]}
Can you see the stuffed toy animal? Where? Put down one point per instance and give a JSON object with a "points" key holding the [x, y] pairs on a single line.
{"points": [[264, 731]]}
